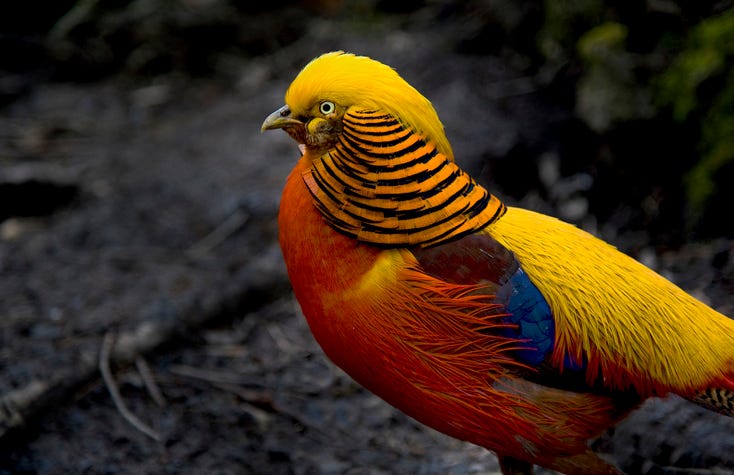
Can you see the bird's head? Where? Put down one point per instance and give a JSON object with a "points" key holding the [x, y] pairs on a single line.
{"points": [[336, 82]]}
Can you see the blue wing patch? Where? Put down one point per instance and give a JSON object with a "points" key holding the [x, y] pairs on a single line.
{"points": [[532, 315], [481, 258]]}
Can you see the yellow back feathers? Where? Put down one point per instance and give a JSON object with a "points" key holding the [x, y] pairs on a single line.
{"points": [[350, 80], [632, 325]]}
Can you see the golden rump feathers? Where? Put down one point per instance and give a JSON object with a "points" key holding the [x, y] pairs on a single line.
{"points": [[350, 80]]}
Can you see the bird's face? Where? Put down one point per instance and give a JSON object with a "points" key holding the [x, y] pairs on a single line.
{"points": [[379, 165], [317, 127], [335, 83]]}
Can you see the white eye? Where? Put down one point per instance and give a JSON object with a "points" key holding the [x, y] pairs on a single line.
{"points": [[327, 107]]}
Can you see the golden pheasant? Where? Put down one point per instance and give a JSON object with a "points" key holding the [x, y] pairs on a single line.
{"points": [[497, 325]]}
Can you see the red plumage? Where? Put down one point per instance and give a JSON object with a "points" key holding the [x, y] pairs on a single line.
{"points": [[493, 324], [424, 347]]}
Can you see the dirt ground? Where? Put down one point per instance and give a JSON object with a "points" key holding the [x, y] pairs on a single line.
{"points": [[138, 231]]}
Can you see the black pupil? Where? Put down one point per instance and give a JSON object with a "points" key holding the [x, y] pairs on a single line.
{"points": [[326, 107]]}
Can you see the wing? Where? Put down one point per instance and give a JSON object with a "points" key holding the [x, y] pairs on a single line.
{"points": [[480, 259], [627, 325]]}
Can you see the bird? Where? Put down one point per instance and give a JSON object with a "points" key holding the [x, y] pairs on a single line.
{"points": [[493, 324]]}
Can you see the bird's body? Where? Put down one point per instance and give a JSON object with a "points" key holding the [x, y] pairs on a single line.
{"points": [[501, 326]]}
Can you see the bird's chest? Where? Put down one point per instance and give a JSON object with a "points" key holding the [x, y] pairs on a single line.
{"points": [[320, 260], [326, 270]]}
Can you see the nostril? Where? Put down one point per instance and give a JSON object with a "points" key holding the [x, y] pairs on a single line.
{"points": [[285, 112]]}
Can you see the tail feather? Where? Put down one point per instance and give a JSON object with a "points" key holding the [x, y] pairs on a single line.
{"points": [[716, 399], [719, 398]]}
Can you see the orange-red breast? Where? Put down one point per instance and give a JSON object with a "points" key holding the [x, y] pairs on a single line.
{"points": [[493, 324]]}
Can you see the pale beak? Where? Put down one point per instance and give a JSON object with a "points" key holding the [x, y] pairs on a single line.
{"points": [[280, 119]]}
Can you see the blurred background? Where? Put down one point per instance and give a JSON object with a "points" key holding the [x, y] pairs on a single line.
{"points": [[146, 323]]}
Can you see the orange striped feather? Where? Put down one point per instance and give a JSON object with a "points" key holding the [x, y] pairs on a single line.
{"points": [[386, 185]]}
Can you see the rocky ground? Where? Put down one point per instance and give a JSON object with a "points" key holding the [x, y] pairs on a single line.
{"points": [[138, 250]]}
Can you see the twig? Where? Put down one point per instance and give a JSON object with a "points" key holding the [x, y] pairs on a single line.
{"points": [[104, 368], [14, 404], [254, 285], [207, 375], [233, 222], [149, 381], [74, 17]]}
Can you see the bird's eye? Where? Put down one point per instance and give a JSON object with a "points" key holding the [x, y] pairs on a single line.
{"points": [[327, 107]]}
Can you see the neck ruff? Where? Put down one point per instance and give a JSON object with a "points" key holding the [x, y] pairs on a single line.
{"points": [[386, 185]]}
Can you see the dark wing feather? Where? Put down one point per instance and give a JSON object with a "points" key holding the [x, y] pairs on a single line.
{"points": [[480, 259]]}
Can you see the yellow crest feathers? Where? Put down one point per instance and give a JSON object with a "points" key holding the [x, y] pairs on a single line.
{"points": [[358, 81]]}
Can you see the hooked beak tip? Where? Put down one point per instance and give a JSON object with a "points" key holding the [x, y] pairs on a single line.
{"points": [[279, 119]]}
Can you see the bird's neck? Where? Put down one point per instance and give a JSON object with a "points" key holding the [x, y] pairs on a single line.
{"points": [[386, 185]]}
